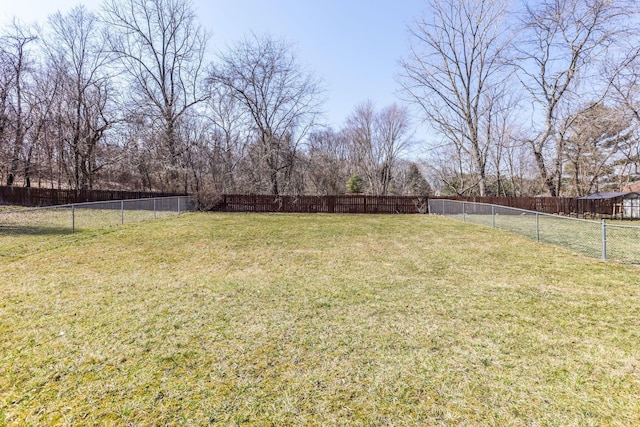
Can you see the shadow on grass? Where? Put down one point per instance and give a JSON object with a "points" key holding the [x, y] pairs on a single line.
{"points": [[10, 230]]}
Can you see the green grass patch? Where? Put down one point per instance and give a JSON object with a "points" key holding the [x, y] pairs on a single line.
{"points": [[231, 319]]}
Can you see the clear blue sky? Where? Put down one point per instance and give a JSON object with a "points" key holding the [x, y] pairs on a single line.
{"points": [[352, 45]]}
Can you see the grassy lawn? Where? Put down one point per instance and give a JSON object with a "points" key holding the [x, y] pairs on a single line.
{"points": [[231, 319], [582, 236], [23, 228]]}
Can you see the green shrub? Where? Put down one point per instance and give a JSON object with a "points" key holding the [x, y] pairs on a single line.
{"points": [[355, 184]]}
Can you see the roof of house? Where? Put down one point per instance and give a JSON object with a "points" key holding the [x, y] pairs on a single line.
{"points": [[611, 195]]}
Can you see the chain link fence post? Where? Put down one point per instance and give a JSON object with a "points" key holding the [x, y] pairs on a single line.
{"points": [[604, 240], [73, 219], [464, 211], [537, 227], [493, 216]]}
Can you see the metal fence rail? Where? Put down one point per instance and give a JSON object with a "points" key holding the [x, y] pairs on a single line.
{"points": [[77, 216], [597, 239]]}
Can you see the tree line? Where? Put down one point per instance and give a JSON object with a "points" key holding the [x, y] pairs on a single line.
{"points": [[526, 99], [529, 97]]}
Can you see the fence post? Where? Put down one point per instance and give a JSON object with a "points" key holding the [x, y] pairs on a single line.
{"points": [[73, 219], [493, 216], [443, 207], [122, 212], [464, 211], [537, 227], [178, 204], [154, 208], [604, 240]]}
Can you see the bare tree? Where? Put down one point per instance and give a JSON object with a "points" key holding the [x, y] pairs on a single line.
{"points": [[40, 148], [162, 50], [360, 131], [449, 170], [393, 139], [626, 93], [594, 142], [279, 96], [516, 174], [564, 44], [230, 134], [454, 73], [6, 85], [15, 44], [377, 139], [327, 162], [195, 130], [501, 127], [79, 55]]}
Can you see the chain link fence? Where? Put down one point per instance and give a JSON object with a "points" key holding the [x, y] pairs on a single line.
{"points": [[604, 240], [65, 219]]}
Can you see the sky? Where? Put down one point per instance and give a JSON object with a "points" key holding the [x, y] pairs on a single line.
{"points": [[353, 46]]}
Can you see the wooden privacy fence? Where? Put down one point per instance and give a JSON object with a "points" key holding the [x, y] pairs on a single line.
{"points": [[322, 204], [30, 196], [403, 204]]}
